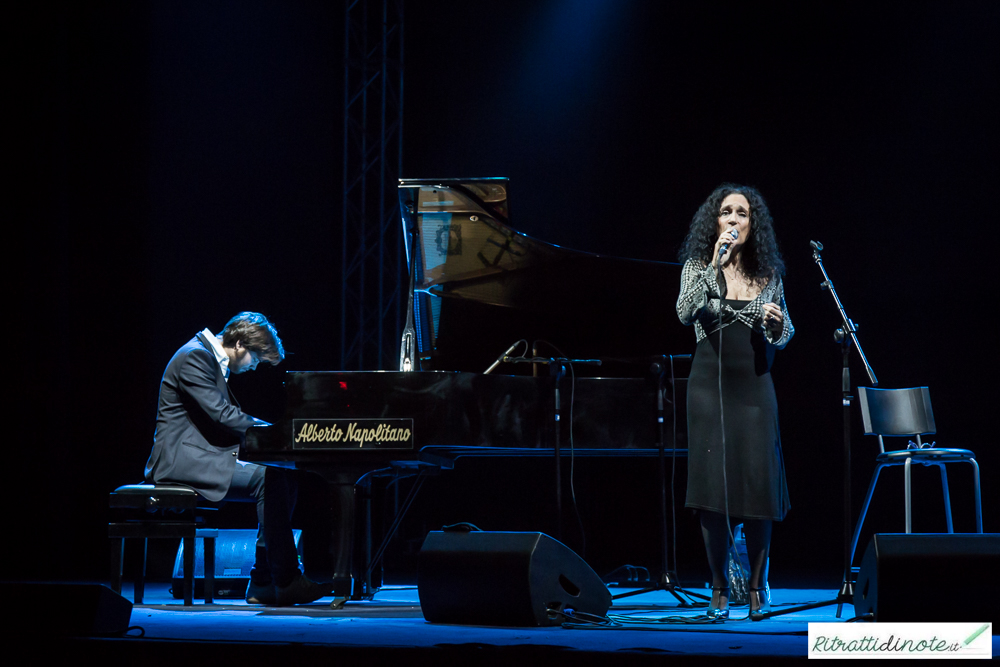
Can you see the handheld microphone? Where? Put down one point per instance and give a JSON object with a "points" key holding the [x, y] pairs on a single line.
{"points": [[735, 233]]}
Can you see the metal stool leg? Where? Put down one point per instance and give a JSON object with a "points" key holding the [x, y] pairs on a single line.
{"points": [[864, 510], [979, 499], [947, 498], [906, 491]]}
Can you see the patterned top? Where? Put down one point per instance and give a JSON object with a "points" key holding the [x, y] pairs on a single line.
{"points": [[700, 300]]}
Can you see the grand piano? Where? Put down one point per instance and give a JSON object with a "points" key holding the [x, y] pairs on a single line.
{"points": [[586, 347]]}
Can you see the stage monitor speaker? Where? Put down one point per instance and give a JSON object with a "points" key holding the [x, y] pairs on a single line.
{"points": [[509, 579], [930, 577], [235, 553], [65, 610]]}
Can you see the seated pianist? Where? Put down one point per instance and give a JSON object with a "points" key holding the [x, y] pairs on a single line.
{"points": [[199, 429]]}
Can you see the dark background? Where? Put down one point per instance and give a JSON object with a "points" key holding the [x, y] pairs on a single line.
{"points": [[177, 162]]}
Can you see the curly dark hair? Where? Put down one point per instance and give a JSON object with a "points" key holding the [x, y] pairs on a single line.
{"points": [[761, 257]]}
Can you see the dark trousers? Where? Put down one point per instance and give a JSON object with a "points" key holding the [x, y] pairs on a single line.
{"points": [[277, 561]]}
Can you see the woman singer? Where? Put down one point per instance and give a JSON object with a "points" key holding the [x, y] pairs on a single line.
{"points": [[731, 292]]}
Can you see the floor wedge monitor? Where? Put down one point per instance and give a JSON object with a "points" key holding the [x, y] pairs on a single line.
{"points": [[930, 577], [504, 579], [50, 610]]}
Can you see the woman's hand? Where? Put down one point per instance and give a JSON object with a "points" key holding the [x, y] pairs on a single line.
{"points": [[726, 238], [774, 320]]}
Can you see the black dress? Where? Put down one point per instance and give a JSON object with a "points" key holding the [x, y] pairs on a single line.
{"points": [[751, 454]]}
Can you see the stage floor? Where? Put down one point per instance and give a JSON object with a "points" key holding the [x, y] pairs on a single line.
{"points": [[391, 627], [392, 622]]}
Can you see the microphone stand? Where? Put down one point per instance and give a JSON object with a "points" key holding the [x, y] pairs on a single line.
{"points": [[845, 335], [668, 578], [557, 367]]}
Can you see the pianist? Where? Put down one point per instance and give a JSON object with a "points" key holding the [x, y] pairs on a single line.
{"points": [[199, 428]]}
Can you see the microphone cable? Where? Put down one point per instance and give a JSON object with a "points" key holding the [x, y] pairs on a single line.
{"points": [[572, 451], [731, 541], [673, 459]]}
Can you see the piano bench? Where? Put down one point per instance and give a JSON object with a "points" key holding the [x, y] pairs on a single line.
{"points": [[152, 511]]}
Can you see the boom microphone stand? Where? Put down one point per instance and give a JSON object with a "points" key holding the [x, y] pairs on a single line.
{"points": [[845, 335]]}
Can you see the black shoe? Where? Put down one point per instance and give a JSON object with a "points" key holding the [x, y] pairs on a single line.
{"points": [[260, 594], [715, 611], [301, 591]]}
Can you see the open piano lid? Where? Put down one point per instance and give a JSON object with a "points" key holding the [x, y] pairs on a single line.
{"points": [[479, 285]]}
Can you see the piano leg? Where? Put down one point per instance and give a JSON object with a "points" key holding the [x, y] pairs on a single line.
{"points": [[358, 536], [367, 580], [372, 537], [329, 541]]}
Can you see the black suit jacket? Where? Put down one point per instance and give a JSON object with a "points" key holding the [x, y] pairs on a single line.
{"points": [[198, 428]]}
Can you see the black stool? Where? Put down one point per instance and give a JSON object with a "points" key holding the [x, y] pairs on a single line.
{"points": [[159, 511]]}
